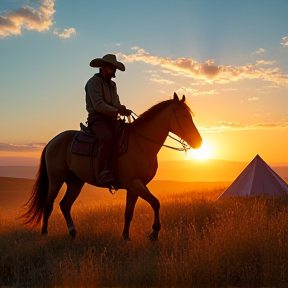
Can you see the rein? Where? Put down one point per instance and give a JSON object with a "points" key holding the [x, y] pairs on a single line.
{"points": [[185, 146]]}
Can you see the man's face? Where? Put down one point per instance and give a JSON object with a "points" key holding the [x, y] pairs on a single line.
{"points": [[110, 70]]}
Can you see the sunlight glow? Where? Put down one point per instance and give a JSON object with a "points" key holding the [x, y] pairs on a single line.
{"points": [[204, 152]]}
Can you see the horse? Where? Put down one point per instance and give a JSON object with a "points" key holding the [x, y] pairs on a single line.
{"points": [[134, 169]]}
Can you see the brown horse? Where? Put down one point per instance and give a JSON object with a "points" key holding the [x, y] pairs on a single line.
{"points": [[135, 168]]}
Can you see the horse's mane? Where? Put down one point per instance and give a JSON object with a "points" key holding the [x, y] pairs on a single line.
{"points": [[156, 109]]}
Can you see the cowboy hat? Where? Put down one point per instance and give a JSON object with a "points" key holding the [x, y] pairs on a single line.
{"points": [[109, 58]]}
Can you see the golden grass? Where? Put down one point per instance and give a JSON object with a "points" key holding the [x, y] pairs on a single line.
{"points": [[238, 241]]}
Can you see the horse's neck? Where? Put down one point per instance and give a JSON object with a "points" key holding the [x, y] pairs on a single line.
{"points": [[154, 132]]}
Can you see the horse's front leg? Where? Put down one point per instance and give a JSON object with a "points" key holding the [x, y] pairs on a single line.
{"points": [[131, 199], [141, 190], [156, 225]]}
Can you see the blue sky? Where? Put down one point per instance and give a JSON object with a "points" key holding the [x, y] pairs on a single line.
{"points": [[230, 58]]}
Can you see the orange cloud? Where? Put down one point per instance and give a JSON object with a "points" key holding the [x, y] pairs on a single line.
{"points": [[263, 62], [235, 126], [66, 33], [196, 92], [208, 71], [161, 81], [260, 51], [188, 66], [27, 17]]}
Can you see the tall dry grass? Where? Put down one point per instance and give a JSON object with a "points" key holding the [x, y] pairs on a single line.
{"points": [[238, 241]]}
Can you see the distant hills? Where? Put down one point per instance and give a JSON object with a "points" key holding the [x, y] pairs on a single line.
{"points": [[188, 170], [207, 170], [28, 172]]}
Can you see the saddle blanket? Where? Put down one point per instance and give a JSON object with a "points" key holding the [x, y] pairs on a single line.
{"points": [[84, 144]]}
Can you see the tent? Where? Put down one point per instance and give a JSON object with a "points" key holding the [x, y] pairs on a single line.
{"points": [[255, 180]]}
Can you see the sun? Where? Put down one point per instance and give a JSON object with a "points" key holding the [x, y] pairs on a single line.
{"points": [[204, 152]]}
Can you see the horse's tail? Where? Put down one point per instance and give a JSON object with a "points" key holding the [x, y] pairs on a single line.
{"points": [[36, 203]]}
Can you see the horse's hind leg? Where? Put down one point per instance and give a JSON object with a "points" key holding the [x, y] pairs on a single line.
{"points": [[55, 183], [74, 186]]}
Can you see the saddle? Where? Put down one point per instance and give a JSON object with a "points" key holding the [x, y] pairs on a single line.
{"points": [[86, 143]]}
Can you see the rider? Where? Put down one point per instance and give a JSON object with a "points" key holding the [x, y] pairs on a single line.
{"points": [[103, 106]]}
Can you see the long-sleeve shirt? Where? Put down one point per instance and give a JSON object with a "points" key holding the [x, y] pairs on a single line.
{"points": [[101, 96]]}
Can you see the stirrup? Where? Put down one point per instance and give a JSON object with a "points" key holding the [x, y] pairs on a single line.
{"points": [[109, 184], [107, 173], [112, 189], [103, 173]]}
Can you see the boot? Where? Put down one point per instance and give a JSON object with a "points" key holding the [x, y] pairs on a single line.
{"points": [[104, 166]]}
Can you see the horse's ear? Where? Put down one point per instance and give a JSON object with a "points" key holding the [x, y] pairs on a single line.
{"points": [[175, 97], [183, 98]]}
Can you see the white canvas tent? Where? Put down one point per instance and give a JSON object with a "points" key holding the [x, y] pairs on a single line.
{"points": [[255, 180]]}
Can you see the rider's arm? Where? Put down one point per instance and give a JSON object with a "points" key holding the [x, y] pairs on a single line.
{"points": [[115, 97]]}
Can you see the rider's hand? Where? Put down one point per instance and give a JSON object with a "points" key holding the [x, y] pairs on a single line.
{"points": [[123, 111], [126, 112], [122, 107]]}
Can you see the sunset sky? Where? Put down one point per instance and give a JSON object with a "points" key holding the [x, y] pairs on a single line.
{"points": [[230, 59]]}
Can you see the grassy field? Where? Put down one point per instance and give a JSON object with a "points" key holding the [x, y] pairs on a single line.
{"points": [[241, 242]]}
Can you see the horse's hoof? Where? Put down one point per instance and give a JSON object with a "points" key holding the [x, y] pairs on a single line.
{"points": [[44, 232], [153, 236], [73, 234], [126, 238]]}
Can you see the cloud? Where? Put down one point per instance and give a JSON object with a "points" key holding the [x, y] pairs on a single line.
{"points": [[208, 71], [253, 99], [229, 89], [260, 51], [161, 81], [263, 62], [39, 19], [196, 92], [21, 147], [27, 17], [66, 33], [284, 41], [235, 126], [272, 86]]}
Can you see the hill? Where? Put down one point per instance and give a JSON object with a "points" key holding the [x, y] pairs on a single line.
{"points": [[188, 170], [199, 170], [207, 170], [28, 172]]}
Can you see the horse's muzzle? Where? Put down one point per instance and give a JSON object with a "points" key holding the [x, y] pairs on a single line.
{"points": [[195, 142]]}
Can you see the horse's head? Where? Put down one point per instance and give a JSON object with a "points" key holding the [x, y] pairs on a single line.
{"points": [[182, 124]]}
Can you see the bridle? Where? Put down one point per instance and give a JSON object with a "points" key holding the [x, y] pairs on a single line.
{"points": [[185, 145]]}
